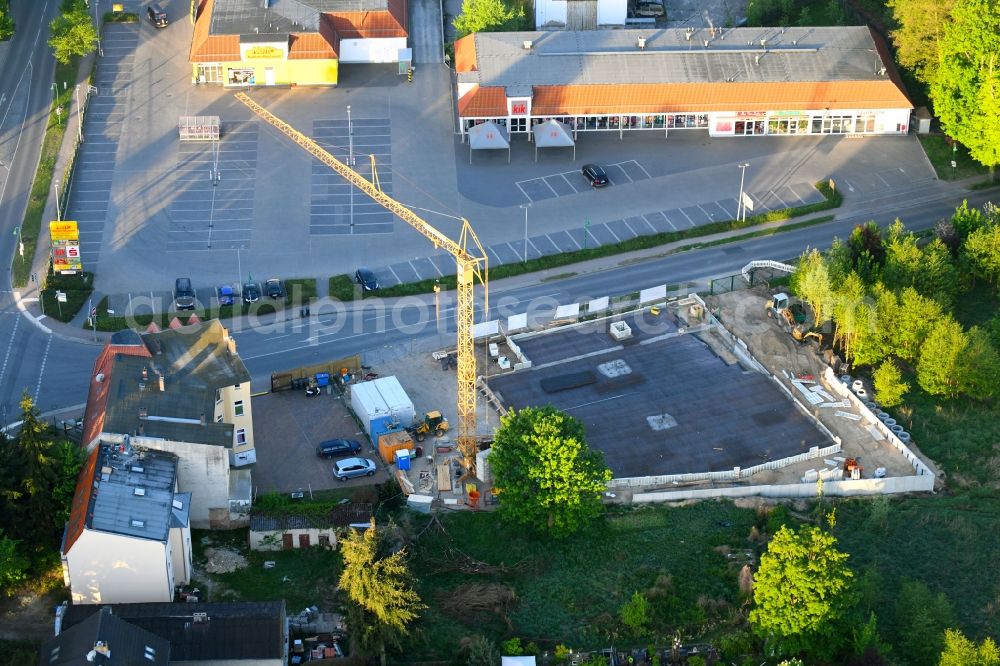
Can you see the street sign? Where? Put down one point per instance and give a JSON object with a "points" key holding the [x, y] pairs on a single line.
{"points": [[64, 230], [747, 201], [61, 296]]}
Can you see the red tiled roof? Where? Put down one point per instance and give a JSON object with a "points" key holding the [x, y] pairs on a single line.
{"points": [[357, 25], [691, 97], [81, 499], [212, 48], [97, 394]]}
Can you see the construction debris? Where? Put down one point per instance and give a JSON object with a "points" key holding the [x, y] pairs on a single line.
{"points": [[848, 415]]}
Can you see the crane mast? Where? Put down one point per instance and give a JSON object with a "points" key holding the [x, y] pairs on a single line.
{"points": [[469, 269]]}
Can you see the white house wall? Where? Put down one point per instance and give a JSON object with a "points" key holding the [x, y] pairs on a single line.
{"points": [[381, 49], [271, 539], [203, 471], [114, 569], [180, 554], [551, 12]]}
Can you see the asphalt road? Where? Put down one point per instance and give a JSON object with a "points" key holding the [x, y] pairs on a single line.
{"points": [[31, 360]]}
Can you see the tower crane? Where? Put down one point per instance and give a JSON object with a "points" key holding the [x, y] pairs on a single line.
{"points": [[469, 269]]}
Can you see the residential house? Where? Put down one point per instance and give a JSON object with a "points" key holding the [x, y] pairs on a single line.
{"points": [[186, 391], [104, 639], [288, 531], [128, 537], [202, 634]]}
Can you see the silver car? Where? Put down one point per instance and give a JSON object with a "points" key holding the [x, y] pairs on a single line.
{"points": [[350, 468]]}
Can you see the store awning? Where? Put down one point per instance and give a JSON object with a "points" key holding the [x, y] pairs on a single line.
{"points": [[553, 134], [488, 136]]}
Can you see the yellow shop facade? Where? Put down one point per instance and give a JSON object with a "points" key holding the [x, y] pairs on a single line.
{"points": [[242, 43]]}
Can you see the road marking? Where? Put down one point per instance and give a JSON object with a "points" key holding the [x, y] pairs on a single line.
{"points": [[629, 227], [518, 184], [707, 214], [592, 236], [780, 200], [10, 345], [398, 281], [687, 216], [554, 193], [643, 169], [623, 171], [879, 176], [532, 244], [672, 226], [649, 224], [612, 232], [24, 119], [578, 246], [41, 371]]}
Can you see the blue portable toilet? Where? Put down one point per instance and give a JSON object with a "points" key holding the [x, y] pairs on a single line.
{"points": [[403, 459]]}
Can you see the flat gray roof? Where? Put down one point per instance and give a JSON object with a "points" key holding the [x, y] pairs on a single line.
{"points": [[590, 57], [247, 17], [134, 493]]}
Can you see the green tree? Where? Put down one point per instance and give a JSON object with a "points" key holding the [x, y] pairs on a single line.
{"points": [[486, 16], [771, 12], [67, 458], [921, 25], [635, 614], [13, 565], [920, 619], [378, 587], [965, 88], [978, 366], [811, 283], [940, 357], [960, 651], [939, 278], [982, 247], [889, 385], [547, 477], [903, 258], [867, 251], [879, 343], [915, 318], [802, 592], [72, 34], [965, 220], [512, 647], [6, 22], [482, 652], [853, 314]]}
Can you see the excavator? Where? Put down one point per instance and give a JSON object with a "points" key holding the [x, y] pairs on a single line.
{"points": [[794, 316]]}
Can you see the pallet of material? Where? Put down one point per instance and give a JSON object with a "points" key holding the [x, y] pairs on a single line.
{"points": [[444, 477], [810, 397], [404, 483]]}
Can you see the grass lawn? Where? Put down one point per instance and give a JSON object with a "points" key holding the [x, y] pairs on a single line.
{"points": [[939, 152], [77, 289]]}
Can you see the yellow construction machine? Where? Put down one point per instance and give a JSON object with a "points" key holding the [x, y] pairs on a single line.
{"points": [[792, 315], [433, 422]]}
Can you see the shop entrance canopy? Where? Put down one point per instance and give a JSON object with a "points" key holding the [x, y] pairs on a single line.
{"points": [[488, 136], [553, 134]]}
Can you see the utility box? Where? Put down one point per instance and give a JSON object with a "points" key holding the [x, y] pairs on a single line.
{"points": [[923, 120]]}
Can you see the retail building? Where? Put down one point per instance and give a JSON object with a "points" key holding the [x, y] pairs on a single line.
{"points": [[292, 42], [735, 82]]}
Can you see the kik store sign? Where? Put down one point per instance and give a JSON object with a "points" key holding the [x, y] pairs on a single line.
{"points": [[66, 256]]}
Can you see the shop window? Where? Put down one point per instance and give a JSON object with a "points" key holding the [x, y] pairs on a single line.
{"points": [[242, 77], [518, 124], [659, 122], [703, 120]]}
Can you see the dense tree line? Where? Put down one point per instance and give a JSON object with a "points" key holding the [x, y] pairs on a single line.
{"points": [[889, 301], [38, 472], [6, 21]]}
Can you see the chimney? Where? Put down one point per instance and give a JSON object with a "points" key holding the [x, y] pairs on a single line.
{"points": [[145, 373], [100, 647], [203, 420], [527, 44], [756, 60], [641, 43], [163, 381], [143, 412]]}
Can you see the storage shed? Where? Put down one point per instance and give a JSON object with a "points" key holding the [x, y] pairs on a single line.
{"points": [[396, 400], [269, 532], [369, 406]]}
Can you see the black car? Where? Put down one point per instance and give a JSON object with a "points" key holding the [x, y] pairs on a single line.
{"points": [[595, 175], [157, 16], [183, 294], [366, 279], [333, 448], [251, 292], [274, 288]]}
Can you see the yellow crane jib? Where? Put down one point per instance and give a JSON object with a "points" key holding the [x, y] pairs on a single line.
{"points": [[469, 268]]}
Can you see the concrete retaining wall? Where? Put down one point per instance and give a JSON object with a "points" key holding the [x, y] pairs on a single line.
{"points": [[848, 488]]}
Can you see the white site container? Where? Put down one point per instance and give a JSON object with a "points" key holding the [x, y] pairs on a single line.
{"points": [[368, 404], [395, 399]]}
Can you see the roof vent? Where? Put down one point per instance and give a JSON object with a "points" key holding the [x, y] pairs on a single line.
{"points": [[756, 60], [688, 33], [527, 44], [705, 42], [99, 378], [199, 618], [139, 492], [641, 42], [163, 382], [881, 71], [138, 523], [145, 373], [794, 42], [143, 412], [763, 42]]}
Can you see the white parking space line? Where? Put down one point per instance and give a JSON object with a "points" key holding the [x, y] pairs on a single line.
{"points": [[612, 232], [629, 227], [648, 223], [522, 190], [707, 214], [532, 244], [623, 171], [398, 281], [556, 194], [594, 238], [877, 175], [642, 168], [578, 246], [672, 226], [775, 195], [687, 216]]}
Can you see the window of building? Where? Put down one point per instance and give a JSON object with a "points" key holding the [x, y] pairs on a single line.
{"points": [[219, 419], [238, 408], [241, 436], [242, 77], [218, 396], [237, 387], [150, 653]]}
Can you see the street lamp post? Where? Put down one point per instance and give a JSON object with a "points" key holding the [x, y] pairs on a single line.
{"points": [[350, 138], [741, 208], [79, 115], [239, 266], [524, 254], [58, 205]]}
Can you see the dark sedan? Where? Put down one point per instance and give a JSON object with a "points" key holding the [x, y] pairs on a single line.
{"points": [[251, 292], [274, 288], [333, 448], [366, 279]]}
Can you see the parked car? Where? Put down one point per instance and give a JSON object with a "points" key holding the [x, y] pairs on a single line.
{"points": [[366, 279], [648, 9], [251, 292], [350, 468], [274, 288], [227, 295], [595, 174], [332, 448], [157, 16], [183, 294]]}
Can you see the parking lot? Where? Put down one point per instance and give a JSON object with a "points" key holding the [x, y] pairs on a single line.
{"points": [[566, 183], [287, 428], [658, 405]]}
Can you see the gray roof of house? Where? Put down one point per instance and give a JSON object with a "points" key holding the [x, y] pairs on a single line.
{"points": [[235, 630], [126, 644], [588, 57], [134, 493], [247, 17], [194, 362]]}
